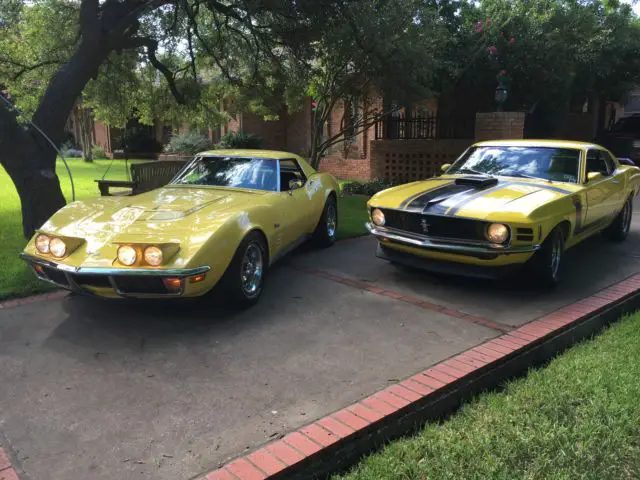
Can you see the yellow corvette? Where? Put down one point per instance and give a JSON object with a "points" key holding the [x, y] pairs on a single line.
{"points": [[224, 219], [503, 204]]}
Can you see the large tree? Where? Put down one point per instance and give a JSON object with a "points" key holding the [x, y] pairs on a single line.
{"points": [[239, 38]]}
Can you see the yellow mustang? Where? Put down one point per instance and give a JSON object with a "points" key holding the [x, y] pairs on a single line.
{"points": [[224, 218], [503, 204]]}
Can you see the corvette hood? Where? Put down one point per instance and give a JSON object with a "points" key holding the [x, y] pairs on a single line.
{"points": [[471, 196], [169, 211]]}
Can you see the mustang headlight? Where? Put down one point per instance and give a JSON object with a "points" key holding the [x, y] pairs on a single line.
{"points": [[57, 247], [153, 256], [377, 217], [127, 255], [497, 233], [42, 243]]}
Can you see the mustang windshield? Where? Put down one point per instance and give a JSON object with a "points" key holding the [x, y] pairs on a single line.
{"points": [[558, 164], [238, 172]]}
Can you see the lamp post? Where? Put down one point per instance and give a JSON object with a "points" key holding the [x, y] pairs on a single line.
{"points": [[501, 95]]}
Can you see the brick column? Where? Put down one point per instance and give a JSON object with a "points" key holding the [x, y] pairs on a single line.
{"points": [[499, 126]]}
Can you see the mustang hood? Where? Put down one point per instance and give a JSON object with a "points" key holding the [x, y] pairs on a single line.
{"points": [[472, 196]]}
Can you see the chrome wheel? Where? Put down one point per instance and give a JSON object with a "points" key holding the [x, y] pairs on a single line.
{"points": [[251, 270], [626, 217], [332, 220], [556, 255]]}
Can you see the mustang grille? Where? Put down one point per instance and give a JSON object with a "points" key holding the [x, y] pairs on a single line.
{"points": [[524, 234], [435, 226]]}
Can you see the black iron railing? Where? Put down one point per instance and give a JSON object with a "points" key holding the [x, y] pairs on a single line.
{"points": [[426, 126]]}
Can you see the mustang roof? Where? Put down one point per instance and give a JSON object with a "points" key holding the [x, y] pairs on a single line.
{"points": [[248, 153], [537, 143]]}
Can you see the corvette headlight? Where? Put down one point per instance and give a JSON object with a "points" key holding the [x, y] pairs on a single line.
{"points": [[497, 233], [127, 255], [377, 217], [57, 247], [42, 243], [153, 256]]}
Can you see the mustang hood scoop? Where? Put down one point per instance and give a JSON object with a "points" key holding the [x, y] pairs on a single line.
{"points": [[477, 181]]}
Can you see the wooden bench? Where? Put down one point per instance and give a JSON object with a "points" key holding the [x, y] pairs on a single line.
{"points": [[145, 177]]}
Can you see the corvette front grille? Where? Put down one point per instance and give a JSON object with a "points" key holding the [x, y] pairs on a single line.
{"points": [[130, 285]]}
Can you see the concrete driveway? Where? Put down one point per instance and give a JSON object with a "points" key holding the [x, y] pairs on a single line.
{"points": [[101, 390]]}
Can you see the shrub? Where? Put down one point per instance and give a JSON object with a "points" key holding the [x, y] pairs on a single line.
{"points": [[240, 140], [188, 142], [138, 140], [366, 188], [69, 150], [98, 153]]}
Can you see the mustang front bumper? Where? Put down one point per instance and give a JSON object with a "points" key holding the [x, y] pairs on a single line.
{"points": [[134, 282], [445, 245]]}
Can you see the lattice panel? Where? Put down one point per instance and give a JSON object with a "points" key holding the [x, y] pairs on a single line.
{"points": [[409, 167]]}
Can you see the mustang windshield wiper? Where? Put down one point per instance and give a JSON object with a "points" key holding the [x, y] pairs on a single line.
{"points": [[524, 175], [475, 172]]}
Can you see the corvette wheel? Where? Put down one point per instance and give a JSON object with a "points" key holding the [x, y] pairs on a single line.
{"points": [[243, 281], [619, 228], [547, 263], [325, 233]]}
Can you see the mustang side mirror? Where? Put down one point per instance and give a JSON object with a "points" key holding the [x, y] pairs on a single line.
{"points": [[445, 167], [294, 185], [593, 176]]}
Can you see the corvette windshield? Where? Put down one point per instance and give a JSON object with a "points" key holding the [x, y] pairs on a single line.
{"points": [[237, 172], [557, 164]]}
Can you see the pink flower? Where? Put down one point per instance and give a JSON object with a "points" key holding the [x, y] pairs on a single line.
{"points": [[503, 73], [478, 27], [512, 40], [492, 50]]}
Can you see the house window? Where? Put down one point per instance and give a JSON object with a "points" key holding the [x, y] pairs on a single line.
{"points": [[352, 119]]}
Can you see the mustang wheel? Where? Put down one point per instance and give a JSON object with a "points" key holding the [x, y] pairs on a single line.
{"points": [[619, 228], [325, 233], [244, 278], [546, 264]]}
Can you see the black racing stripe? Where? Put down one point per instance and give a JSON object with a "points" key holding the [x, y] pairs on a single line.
{"points": [[463, 200], [433, 192], [432, 198], [578, 225]]}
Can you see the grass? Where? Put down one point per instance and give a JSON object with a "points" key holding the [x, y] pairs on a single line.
{"points": [[17, 281], [577, 418], [15, 278]]}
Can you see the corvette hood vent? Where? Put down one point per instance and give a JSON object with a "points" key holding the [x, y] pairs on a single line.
{"points": [[477, 181]]}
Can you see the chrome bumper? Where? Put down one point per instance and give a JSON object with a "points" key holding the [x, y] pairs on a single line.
{"points": [[110, 273], [459, 247]]}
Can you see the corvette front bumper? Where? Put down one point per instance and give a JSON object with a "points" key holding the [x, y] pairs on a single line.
{"points": [[123, 282]]}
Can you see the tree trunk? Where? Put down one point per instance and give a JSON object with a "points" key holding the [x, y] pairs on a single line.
{"points": [[37, 186], [29, 158]]}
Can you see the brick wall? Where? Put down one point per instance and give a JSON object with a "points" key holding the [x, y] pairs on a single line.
{"points": [[298, 130], [272, 132], [409, 160], [102, 136], [499, 125], [348, 168]]}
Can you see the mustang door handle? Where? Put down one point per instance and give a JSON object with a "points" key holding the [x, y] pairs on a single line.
{"points": [[615, 181]]}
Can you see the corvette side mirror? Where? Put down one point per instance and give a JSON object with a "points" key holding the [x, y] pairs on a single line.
{"points": [[593, 176], [294, 185], [445, 167]]}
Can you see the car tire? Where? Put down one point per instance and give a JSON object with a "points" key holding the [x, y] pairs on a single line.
{"points": [[243, 281], [619, 228], [546, 265], [325, 233]]}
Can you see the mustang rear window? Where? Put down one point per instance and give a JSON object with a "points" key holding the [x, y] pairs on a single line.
{"points": [[238, 172], [558, 164]]}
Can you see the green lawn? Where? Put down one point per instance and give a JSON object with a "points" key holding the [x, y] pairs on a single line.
{"points": [[577, 418], [17, 281]]}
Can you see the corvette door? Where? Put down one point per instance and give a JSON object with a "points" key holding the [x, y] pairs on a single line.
{"points": [[602, 193], [296, 200]]}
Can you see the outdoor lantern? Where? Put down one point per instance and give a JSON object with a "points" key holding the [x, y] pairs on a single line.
{"points": [[501, 96]]}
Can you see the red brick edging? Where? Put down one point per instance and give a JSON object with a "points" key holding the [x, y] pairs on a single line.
{"points": [[299, 453], [18, 302], [6, 470]]}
